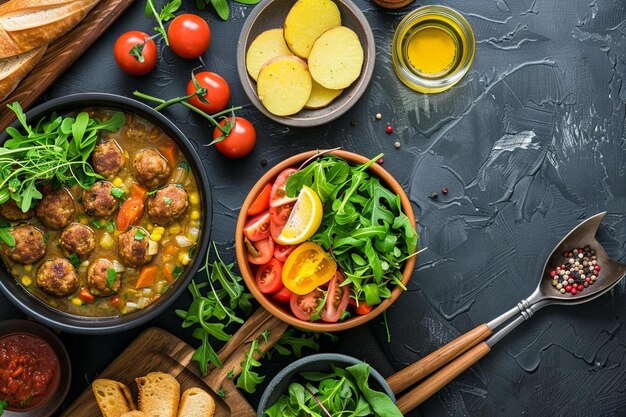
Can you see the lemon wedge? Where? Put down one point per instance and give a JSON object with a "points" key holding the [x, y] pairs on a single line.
{"points": [[304, 220]]}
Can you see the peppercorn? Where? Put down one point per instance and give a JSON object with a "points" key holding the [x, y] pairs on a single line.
{"points": [[397, 144], [263, 162], [379, 116], [389, 129], [434, 196], [444, 191]]}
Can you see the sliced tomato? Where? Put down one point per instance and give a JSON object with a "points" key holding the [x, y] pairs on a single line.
{"points": [[283, 296], [260, 252], [279, 216], [337, 301], [303, 306], [363, 308], [278, 196], [258, 227], [262, 201], [269, 277], [281, 252]]}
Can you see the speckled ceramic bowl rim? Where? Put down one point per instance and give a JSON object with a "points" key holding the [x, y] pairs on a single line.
{"points": [[249, 85], [246, 270], [328, 358], [49, 316], [8, 327]]}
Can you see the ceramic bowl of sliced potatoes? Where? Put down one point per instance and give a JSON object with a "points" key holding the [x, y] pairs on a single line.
{"points": [[305, 62]]}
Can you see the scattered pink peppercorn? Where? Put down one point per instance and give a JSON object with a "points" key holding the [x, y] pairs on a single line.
{"points": [[380, 161], [444, 190], [580, 287], [568, 288], [389, 129], [574, 291], [553, 274], [597, 268]]}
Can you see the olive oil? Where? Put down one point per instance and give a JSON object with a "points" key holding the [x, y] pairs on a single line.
{"points": [[433, 48]]}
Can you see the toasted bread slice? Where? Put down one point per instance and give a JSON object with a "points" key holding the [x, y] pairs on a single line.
{"points": [[15, 68], [134, 414], [113, 397], [159, 394], [196, 402]]}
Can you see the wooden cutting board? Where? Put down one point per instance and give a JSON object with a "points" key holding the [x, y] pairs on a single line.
{"points": [[158, 350], [61, 54]]}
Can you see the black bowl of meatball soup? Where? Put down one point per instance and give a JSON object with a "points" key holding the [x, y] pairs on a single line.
{"points": [[105, 213]]}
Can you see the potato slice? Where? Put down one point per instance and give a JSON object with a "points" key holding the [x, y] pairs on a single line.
{"points": [[336, 58], [306, 21], [284, 85], [269, 44], [321, 96]]}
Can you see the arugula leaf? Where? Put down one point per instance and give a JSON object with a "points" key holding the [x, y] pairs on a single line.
{"points": [[2, 405], [117, 192], [249, 379], [381, 403], [7, 237], [139, 234], [111, 276], [74, 260]]}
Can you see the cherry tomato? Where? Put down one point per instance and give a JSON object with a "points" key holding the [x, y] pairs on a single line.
{"points": [[262, 201], [239, 142], [129, 63], [308, 267], [189, 35], [217, 92], [130, 213], [337, 301], [278, 197], [363, 308], [115, 301], [258, 227], [303, 306], [281, 252], [269, 277], [260, 253], [283, 296]]}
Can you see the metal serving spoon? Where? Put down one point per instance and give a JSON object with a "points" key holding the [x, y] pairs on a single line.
{"points": [[461, 353]]}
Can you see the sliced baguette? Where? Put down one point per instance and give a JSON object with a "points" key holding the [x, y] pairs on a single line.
{"points": [[133, 414], [159, 394], [113, 397], [196, 403], [30, 24], [14, 69]]}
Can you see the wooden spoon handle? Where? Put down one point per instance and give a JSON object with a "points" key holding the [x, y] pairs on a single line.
{"points": [[423, 391], [429, 364]]}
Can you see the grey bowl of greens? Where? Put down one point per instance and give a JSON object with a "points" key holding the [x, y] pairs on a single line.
{"points": [[328, 384]]}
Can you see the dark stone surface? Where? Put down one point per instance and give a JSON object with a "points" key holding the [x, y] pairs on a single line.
{"points": [[529, 143]]}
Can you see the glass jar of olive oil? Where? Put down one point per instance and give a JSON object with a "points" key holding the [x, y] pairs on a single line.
{"points": [[433, 48]]}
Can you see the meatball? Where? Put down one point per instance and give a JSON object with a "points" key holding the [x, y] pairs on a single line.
{"points": [[99, 201], [98, 278], [56, 209], [78, 239], [30, 244], [132, 246], [57, 277], [151, 168], [167, 204], [107, 158], [12, 212]]}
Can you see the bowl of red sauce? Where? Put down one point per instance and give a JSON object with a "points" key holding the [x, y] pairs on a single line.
{"points": [[35, 370]]}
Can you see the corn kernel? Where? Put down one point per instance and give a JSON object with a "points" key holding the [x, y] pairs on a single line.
{"points": [[77, 301], [194, 198], [27, 281], [174, 229], [150, 227], [183, 258], [195, 215], [118, 182], [28, 268], [84, 220], [156, 236], [160, 230]]}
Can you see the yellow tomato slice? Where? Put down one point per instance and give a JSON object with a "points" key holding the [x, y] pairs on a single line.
{"points": [[308, 267]]}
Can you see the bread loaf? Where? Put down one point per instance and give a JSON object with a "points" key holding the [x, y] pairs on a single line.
{"points": [[159, 394], [29, 24], [15, 68], [133, 414], [196, 403], [114, 398]]}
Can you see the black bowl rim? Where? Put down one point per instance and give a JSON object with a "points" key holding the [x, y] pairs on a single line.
{"points": [[49, 316], [295, 366], [36, 329]]}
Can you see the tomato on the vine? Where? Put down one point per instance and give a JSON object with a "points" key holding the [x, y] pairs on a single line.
{"points": [[217, 92], [189, 35], [140, 60], [240, 140]]}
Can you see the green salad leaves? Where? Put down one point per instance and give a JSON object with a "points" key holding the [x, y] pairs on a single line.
{"points": [[363, 228], [337, 393], [56, 150]]}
